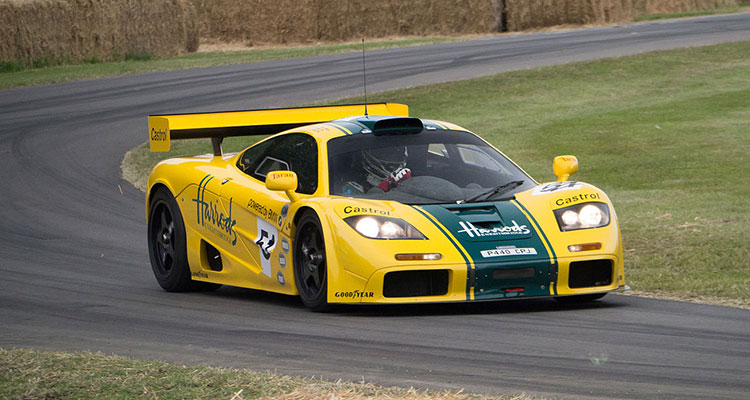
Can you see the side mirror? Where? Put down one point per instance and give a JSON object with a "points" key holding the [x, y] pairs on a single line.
{"points": [[564, 167], [285, 181]]}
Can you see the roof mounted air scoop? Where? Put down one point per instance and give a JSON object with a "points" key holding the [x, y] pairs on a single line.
{"points": [[398, 126]]}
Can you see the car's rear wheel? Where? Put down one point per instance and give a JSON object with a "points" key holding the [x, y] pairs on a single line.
{"points": [[310, 267], [167, 245], [581, 298]]}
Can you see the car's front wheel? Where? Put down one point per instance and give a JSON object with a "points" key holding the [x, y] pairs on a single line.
{"points": [[310, 267]]}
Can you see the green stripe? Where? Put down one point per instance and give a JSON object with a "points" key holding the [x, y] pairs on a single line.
{"points": [[468, 263], [544, 236], [339, 128], [355, 128]]}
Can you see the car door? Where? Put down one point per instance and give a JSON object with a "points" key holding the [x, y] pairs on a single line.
{"points": [[260, 213]]}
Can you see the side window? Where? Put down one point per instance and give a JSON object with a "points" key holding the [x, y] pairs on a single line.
{"points": [[296, 152], [271, 164], [252, 157]]}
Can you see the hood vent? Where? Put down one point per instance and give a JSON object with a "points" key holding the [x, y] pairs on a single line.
{"points": [[478, 215]]}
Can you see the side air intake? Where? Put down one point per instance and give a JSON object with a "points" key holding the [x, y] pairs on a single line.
{"points": [[212, 257]]}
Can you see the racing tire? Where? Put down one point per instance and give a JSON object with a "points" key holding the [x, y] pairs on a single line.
{"points": [[581, 298], [310, 267], [167, 246]]}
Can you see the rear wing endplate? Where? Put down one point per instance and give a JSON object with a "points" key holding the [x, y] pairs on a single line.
{"points": [[162, 129]]}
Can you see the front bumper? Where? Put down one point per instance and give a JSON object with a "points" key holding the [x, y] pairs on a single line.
{"points": [[487, 281]]}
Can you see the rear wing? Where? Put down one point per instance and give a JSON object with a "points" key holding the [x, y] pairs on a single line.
{"points": [[162, 129]]}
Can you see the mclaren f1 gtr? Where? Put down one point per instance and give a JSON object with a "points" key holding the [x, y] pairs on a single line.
{"points": [[364, 204]]}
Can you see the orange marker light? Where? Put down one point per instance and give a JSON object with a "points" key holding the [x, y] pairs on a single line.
{"points": [[584, 247]]}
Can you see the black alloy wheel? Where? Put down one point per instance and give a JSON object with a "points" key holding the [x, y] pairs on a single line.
{"points": [[310, 268], [167, 246]]}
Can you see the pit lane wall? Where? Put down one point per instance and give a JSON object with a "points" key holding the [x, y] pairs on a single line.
{"points": [[54, 31]]}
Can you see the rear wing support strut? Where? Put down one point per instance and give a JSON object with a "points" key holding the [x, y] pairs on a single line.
{"points": [[216, 144]]}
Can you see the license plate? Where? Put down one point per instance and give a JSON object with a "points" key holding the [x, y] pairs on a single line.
{"points": [[515, 251]]}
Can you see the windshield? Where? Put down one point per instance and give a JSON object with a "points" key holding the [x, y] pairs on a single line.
{"points": [[426, 168]]}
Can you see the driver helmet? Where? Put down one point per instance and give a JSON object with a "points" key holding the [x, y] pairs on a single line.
{"points": [[380, 163]]}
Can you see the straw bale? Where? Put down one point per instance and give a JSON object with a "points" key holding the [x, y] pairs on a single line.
{"points": [[304, 21], [77, 30], [676, 6], [528, 14]]}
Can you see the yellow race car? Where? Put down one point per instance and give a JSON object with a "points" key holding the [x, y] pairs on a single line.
{"points": [[364, 204]]}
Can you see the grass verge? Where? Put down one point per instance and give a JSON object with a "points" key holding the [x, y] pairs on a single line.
{"points": [[665, 134], [13, 74], [29, 375]]}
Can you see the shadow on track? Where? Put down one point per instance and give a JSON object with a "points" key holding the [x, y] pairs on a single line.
{"points": [[508, 306]]}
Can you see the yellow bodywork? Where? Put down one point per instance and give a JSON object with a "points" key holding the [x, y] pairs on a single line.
{"points": [[225, 208]]}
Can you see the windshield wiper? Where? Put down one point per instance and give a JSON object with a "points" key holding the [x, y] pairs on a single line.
{"points": [[494, 191]]}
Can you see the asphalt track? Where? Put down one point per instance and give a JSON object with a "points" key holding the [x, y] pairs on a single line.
{"points": [[75, 272]]}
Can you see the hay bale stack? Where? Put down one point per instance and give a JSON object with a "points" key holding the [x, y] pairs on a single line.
{"points": [[302, 21], [676, 6], [351, 19], [256, 21], [79, 30], [529, 14]]}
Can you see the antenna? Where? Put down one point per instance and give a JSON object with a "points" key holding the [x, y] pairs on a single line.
{"points": [[364, 73]]}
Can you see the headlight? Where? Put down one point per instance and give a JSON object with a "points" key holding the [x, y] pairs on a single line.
{"points": [[582, 216], [374, 227]]}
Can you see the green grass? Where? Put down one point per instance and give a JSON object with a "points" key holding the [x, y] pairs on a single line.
{"points": [[138, 162], [29, 375], [665, 134], [711, 11], [13, 74]]}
